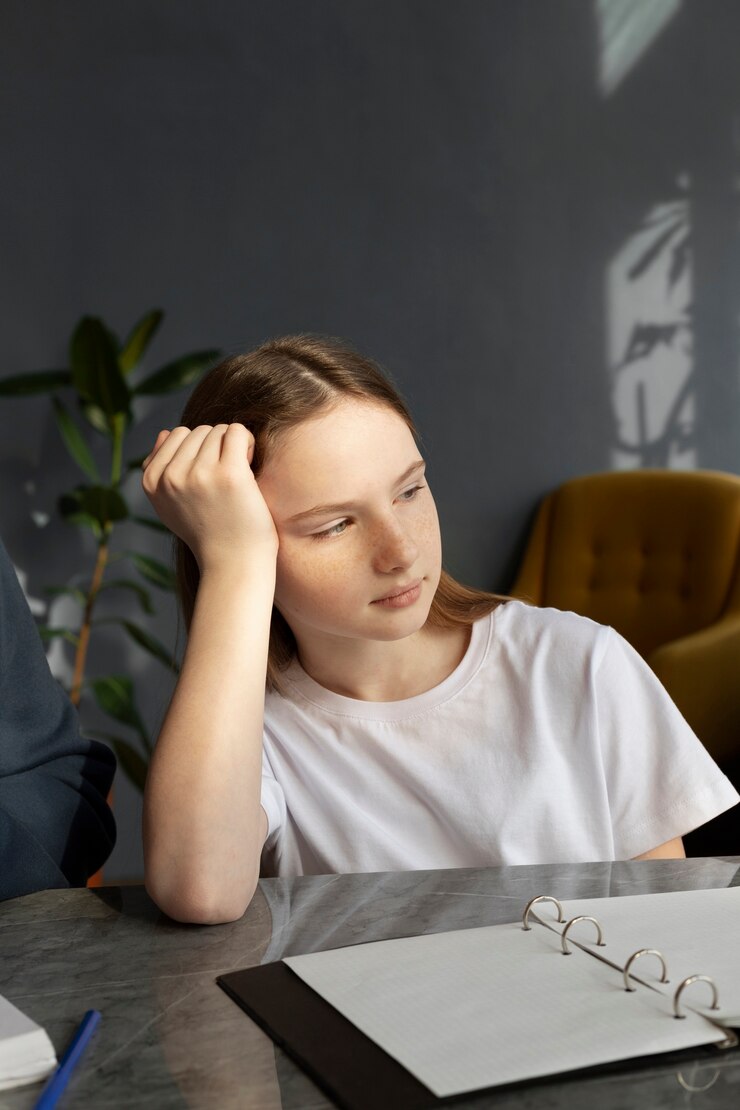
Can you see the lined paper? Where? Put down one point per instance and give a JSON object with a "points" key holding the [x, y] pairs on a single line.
{"points": [[480, 1007], [697, 931]]}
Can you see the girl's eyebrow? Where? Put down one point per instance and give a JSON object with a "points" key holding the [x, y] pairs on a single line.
{"points": [[322, 510]]}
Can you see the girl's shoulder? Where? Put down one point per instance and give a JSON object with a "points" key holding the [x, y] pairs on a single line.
{"points": [[533, 626]]}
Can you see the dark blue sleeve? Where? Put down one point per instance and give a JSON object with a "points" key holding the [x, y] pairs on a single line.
{"points": [[56, 828]]}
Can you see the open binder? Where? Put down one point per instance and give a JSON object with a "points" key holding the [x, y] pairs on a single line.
{"points": [[571, 986]]}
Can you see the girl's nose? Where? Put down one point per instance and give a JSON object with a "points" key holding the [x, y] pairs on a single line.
{"points": [[394, 548]]}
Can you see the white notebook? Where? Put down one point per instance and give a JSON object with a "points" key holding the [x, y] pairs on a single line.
{"points": [[26, 1053], [481, 1007]]}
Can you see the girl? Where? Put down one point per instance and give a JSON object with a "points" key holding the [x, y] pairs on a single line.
{"points": [[344, 704]]}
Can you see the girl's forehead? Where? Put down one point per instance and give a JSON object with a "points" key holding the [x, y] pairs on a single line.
{"points": [[350, 428], [344, 453]]}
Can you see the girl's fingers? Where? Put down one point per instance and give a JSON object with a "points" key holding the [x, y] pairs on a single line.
{"points": [[181, 443], [155, 463], [237, 442], [157, 444], [182, 448], [209, 449]]}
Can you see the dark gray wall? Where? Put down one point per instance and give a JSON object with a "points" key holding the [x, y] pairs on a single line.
{"points": [[441, 183]]}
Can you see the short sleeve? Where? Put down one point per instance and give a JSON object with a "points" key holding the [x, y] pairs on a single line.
{"points": [[273, 802], [661, 781]]}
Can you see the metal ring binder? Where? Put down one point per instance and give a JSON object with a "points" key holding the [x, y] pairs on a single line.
{"points": [[582, 917], [686, 983], [636, 956], [540, 898], [731, 1039]]}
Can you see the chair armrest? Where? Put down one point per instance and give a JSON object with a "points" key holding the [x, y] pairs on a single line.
{"points": [[701, 672]]}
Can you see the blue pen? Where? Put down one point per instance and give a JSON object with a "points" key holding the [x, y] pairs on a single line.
{"points": [[59, 1079]]}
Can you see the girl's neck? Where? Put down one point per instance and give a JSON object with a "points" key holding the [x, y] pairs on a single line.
{"points": [[388, 671]]}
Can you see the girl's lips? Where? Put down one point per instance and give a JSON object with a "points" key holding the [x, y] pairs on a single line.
{"points": [[400, 601]]}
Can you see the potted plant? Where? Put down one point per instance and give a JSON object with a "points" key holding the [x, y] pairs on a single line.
{"points": [[104, 383]]}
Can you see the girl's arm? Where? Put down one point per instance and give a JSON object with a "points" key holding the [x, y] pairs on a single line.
{"points": [[672, 849], [204, 827]]}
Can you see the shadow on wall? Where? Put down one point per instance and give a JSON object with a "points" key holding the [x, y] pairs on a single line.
{"points": [[671, 116]]}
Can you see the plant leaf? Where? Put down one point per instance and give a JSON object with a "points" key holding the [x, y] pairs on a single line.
{"points": [[139, 339], [74, 441], [41, 381], [115, 696], [154, 571], [102, 505], [47, 634], [151, 522], [132, 764], [69, 509], [105, 503], [175, 375], [95, 417], [96, 374], [123, 584], [149, 643], [71, 591]]}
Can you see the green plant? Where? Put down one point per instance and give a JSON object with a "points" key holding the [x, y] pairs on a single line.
{"points": [[101, 378]]}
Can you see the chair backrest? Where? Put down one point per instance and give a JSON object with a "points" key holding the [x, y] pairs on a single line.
{"points": [[654, 553]]}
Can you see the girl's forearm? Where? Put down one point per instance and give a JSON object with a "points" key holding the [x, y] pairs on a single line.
{"points": [[203, 825]]}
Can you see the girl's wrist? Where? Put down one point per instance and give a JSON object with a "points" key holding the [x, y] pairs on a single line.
{"points": [[259, 563]]}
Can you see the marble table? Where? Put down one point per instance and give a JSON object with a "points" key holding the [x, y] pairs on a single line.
{"points": [[171, 1038]]}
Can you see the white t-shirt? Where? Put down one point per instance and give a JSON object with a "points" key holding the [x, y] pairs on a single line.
{"points": [[552, 741]]}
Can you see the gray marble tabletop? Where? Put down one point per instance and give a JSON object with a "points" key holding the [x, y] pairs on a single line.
{"points": [[171, 1038]]}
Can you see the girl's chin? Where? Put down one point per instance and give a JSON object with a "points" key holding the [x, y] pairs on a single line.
{"points": [[376, 622]]}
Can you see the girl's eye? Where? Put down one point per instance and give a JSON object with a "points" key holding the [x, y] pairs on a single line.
{"points": [[340, 528], [332, 531]]}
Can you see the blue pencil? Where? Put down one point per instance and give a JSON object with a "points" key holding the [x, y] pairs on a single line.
{"points": [[59, 1079]]}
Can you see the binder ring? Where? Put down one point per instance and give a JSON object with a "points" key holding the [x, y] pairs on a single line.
{"points": [[636, 956], [540, 898], [687, 983], [564, 938], [689, 1087]]}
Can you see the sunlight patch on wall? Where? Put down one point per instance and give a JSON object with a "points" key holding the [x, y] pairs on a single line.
{"points": [[650, 341], [626, 29]]}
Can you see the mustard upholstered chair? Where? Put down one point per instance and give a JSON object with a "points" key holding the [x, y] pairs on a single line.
{"points": [[655, 554]]}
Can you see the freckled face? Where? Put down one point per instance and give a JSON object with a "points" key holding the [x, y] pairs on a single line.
{"points": [[382, 532]]}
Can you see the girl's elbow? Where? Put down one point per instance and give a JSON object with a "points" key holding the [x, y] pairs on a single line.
{"points": [[201, 903]]}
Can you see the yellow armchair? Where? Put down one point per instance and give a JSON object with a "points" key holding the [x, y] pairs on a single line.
{"points": [[656, 555]]}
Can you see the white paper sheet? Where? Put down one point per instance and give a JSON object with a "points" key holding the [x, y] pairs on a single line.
{"points": [[480, 1007], [26, 1053], [697, 931]]}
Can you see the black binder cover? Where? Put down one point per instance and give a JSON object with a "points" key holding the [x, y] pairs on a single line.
{"points": [[347, 1065], [359, 1075]]}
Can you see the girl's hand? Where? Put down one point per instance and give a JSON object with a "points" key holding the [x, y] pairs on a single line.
{"points": [[201, 485]]}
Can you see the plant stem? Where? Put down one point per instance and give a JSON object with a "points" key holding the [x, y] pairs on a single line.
{"points": [[81, 653]]}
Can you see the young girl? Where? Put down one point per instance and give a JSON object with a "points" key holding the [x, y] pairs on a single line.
{"points": [[344, 704]]}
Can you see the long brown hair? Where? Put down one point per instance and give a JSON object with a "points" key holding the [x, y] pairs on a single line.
{"points": [[275, 387]]}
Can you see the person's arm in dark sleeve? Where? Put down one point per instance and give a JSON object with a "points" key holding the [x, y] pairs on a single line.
{"points": [[56, 828]]}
